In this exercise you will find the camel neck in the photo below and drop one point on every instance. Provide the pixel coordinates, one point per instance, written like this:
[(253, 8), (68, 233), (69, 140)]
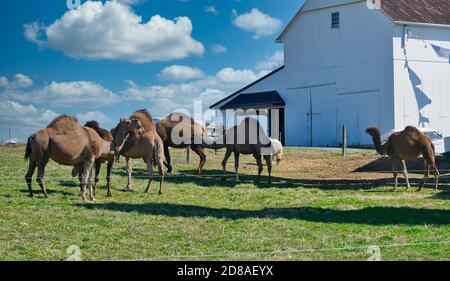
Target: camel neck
[(380, 148)]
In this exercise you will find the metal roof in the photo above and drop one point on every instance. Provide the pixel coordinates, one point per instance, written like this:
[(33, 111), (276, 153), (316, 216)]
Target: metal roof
[(269, 99), (418, 11)]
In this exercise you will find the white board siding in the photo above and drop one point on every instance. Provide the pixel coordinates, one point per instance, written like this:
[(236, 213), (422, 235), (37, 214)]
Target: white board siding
[(422, 79), (349, 71)]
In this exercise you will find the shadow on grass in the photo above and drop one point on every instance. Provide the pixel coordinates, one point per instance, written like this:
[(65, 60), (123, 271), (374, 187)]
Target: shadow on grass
[(212, 178), (369, 216), (37, 191), (414, 166)]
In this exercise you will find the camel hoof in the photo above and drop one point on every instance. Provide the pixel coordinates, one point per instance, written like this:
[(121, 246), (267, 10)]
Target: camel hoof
[(160, 193)]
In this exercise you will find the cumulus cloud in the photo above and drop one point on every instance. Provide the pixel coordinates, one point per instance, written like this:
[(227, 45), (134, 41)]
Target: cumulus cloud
[(256, 22), (68, 94), (20, 81), (164, 99), (13, 114), (94, 115), (219, 49), (271, 62), (180, 72), (112, 31)]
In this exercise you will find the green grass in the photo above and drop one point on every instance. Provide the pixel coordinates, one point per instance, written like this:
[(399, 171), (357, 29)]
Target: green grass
[(203, 218)]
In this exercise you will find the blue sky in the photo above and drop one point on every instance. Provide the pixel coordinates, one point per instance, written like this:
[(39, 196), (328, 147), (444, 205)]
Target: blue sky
[(104, 59)]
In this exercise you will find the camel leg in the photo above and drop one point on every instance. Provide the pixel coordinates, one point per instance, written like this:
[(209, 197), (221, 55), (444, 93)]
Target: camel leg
[(87, 177), (168, 160), (201, 153), (29, 176), (395, 171), (268, 159), (80, 179), (108, 178), (149, 162), (161, 174), (98, 165), (129, 172), (436, 176), (405, 173), (260, 165), (426, 176), (41, 171), (236, 165), (224, 163)]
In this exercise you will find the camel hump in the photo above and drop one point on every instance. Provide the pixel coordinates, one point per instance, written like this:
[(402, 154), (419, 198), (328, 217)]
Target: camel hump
[(103, 133), (411, 129), (146, 119), (64, 124)]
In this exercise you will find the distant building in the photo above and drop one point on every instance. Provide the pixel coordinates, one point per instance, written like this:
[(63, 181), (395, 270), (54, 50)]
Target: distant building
[(346, 63)]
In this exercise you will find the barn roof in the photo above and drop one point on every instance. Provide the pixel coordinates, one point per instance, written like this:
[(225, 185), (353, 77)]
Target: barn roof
[(418, 11), (246, 87), (268, 99), (412, 11)]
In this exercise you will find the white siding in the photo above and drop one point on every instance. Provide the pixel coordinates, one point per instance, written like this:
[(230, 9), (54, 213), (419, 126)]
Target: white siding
[(422, 79), (348, 71)]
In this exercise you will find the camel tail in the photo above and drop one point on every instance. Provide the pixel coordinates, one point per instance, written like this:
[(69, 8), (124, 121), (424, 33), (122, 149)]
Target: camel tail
[(28, 148)]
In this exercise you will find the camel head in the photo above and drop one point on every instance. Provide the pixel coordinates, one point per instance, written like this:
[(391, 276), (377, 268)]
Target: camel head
[(373, 132), (122, 131)]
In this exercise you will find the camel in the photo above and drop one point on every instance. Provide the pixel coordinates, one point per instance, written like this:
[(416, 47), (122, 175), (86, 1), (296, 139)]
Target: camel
[(67, 143), (247, 138), (107, 136), (407, 145), (188, 133), (142, 143), (276, 150)]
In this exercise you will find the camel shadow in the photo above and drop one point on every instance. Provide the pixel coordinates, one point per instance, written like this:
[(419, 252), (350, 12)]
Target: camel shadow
[(212, 178), (369, 216), (49, 192)]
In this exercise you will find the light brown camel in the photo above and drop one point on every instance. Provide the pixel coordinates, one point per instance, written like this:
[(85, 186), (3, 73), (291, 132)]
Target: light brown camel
[(107, 136), (142, 143), (179, 130), (67, 143), (407, 145), (247, 138)]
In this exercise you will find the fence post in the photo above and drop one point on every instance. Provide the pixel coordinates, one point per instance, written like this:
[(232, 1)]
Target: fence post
[(344, 140), (188, 155)]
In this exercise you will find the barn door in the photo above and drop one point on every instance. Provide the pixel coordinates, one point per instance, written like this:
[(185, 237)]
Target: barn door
[(297, 117), (323, 114)]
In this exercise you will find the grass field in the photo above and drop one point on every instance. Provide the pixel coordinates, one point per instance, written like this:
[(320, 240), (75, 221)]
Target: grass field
[(320, 207)]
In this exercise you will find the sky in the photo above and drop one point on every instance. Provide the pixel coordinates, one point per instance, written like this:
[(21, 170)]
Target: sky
[(103, 60)]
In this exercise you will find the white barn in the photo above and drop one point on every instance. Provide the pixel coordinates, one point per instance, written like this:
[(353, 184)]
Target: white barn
[(347, 62)]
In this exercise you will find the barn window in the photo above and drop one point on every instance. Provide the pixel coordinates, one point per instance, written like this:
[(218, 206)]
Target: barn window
[(335, 20)]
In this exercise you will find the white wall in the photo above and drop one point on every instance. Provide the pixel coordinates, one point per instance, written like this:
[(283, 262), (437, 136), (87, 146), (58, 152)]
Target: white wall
[(422, 79), (346, 74)]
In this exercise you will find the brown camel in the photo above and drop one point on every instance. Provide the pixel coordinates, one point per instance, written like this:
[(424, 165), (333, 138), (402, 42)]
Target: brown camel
[(142, 143), (179, 130), (67, 143), (247, 138), (407, 145), (107, 136)]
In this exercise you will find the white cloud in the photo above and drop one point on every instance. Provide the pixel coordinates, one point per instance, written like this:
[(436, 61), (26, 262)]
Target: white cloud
[(94, 115), (20, 81), (258, 23), (83, 94), (271, 62), (219, 49), (180, 73), (211, 10), (112, 31), (13, 114), (175, 96)]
